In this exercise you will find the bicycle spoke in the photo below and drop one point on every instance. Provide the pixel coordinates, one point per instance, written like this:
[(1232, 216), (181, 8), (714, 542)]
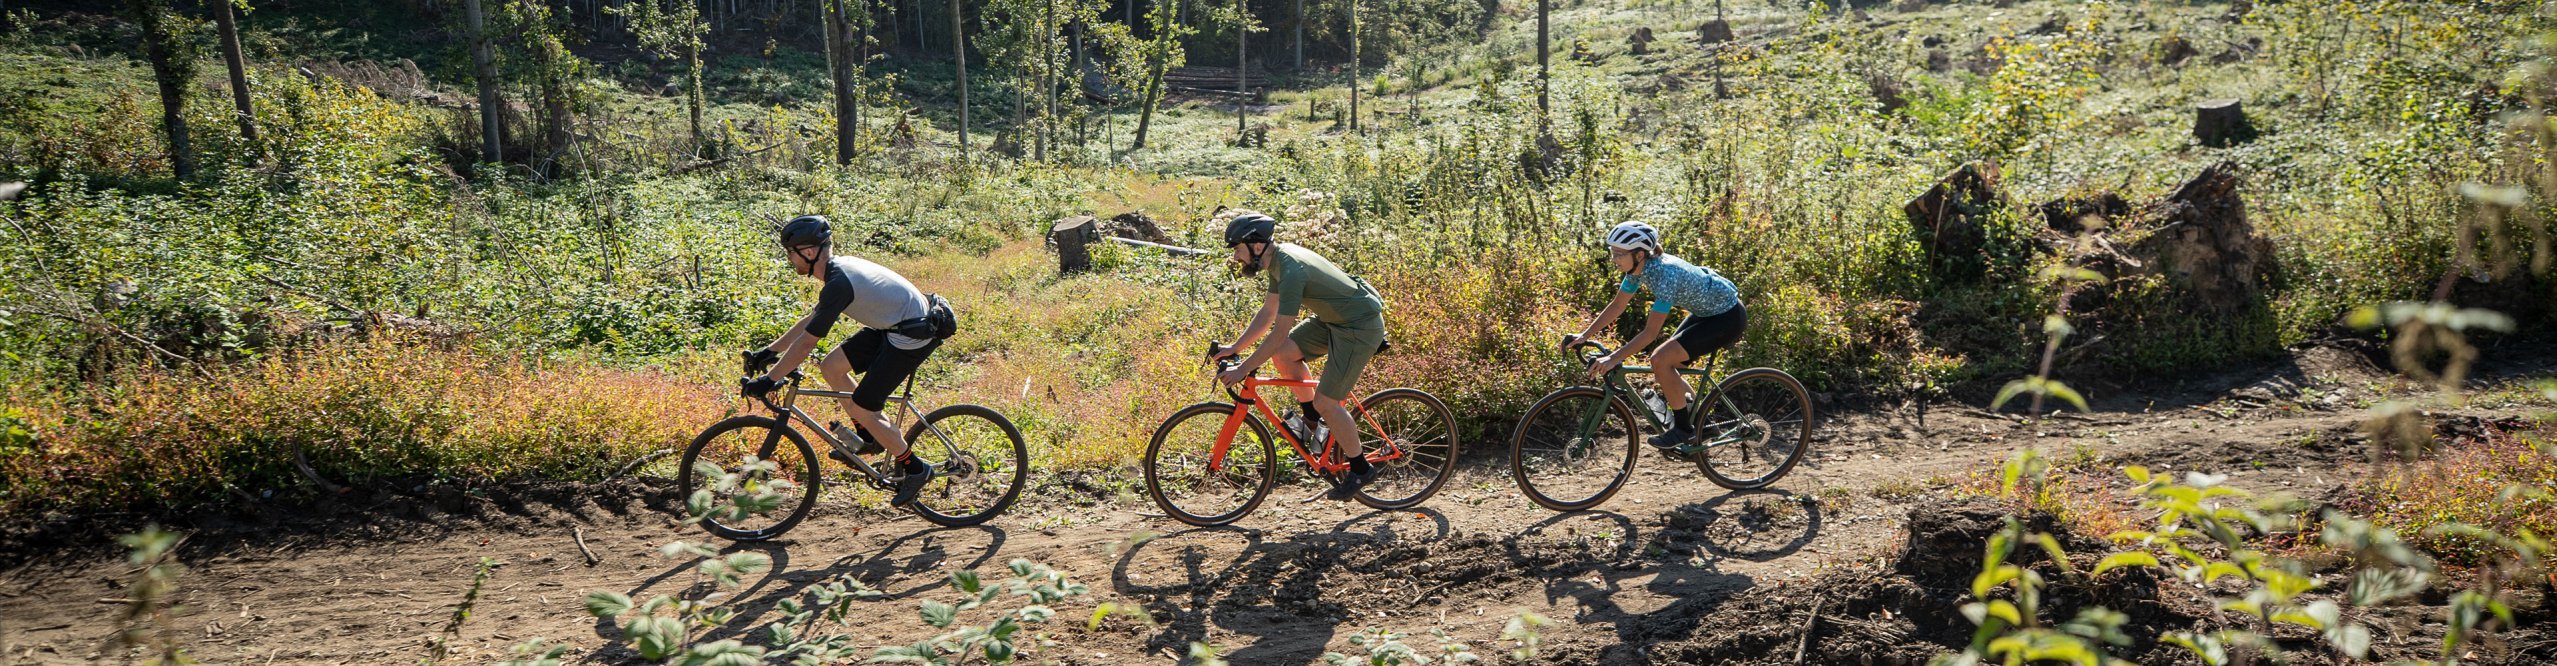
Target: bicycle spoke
[(1192, 482), (1573, 450), (977, 461), (753, 481), (1758, 428), (1425, 436)]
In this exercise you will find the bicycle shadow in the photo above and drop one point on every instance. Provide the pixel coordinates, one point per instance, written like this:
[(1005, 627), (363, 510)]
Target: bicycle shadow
[(1752, 525), (925, 551), (1593, 566), (1235, 581)]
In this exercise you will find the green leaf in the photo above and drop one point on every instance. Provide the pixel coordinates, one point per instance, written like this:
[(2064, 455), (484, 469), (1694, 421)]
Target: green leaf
[(607, 604), (2352, 639), (2010, 391), (2005, 610), (939, 614), (998, 651), (2125, 559), (2063, 392), (966, 581), (655, 637)]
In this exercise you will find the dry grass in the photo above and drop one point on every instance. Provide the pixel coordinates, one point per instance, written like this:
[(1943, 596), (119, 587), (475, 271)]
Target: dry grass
[(378, 409)]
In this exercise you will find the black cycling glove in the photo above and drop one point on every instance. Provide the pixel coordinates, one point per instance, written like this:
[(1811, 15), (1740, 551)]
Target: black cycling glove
[(760, 360)]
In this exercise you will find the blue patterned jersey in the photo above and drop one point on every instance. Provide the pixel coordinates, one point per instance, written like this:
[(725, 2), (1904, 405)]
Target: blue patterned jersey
[(1674, 282)]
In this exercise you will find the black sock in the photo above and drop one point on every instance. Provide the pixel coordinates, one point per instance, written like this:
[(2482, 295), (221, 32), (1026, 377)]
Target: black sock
[(1683, 419), (906, 461), (1306, 409), (1359, 463)]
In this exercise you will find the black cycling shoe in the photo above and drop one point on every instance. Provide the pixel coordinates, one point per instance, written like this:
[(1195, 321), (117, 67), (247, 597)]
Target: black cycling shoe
[(1677, 436), (911, 485), (1351, 481)]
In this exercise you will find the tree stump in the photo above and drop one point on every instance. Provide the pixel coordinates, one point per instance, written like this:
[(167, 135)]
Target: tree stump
[(1073, 237), (2221, 123), (9, 191), (1714, 32), (1950, 221), (1641, 41)]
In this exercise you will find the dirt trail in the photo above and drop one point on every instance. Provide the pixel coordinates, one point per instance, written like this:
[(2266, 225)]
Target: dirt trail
[(371, 581)]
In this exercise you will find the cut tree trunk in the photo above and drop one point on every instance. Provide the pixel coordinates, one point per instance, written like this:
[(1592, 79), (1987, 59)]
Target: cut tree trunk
[(2221, 123)]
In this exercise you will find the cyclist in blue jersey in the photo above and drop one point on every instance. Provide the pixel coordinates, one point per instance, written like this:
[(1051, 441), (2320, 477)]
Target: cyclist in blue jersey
[(1715, 320)]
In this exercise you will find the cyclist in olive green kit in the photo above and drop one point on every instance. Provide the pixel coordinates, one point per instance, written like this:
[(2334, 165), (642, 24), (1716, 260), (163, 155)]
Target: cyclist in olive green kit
[(1348, 325)]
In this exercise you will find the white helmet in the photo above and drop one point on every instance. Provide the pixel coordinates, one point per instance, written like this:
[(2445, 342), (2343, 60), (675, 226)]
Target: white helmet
[(1634, 236)]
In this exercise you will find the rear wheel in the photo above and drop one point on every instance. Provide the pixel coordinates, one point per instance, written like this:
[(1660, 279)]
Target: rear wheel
[(1194, 487), (750, 477), (1575, 449), (979, 463), (1421, 432), (1754, 428)]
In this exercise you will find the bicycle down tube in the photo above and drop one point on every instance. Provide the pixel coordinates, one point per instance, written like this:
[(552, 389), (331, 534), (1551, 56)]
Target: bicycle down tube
[(1248, 401)]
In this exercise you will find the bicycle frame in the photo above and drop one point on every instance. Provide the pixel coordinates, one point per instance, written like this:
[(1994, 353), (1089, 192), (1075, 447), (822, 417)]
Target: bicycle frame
[(1248, 400), (1616, 386), (788, 408)]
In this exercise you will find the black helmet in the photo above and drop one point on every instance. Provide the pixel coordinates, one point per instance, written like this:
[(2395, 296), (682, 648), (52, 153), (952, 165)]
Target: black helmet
[(1249, 227), (807, 231)]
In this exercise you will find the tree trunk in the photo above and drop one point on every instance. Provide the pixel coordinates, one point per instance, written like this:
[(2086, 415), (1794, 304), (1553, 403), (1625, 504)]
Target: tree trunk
[(959, 50), (847, 108), (1544, 59), (1047, 76), (1300, 34), (692, 94), (231, 55), (172, 69), (484, 64), (1242, 69), (1354, 64), (1153, 96)]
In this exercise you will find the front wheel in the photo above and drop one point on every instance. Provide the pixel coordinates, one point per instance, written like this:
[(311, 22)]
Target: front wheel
[(979, 463), (749, 478), (1197, 484), (1414, 449), (1755, 427), (1575, 449)]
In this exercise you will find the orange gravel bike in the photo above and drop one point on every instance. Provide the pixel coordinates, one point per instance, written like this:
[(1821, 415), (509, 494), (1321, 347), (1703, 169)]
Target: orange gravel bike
[(1201, 475)]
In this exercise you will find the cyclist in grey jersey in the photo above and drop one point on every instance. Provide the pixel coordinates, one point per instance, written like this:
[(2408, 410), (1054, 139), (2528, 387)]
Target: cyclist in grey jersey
[(886, 351)]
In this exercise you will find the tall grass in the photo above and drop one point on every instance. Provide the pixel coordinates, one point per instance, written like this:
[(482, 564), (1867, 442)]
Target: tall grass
[(363, 411)]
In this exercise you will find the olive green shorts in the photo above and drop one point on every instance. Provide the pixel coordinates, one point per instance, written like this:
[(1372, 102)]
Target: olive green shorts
[(1349, 345)]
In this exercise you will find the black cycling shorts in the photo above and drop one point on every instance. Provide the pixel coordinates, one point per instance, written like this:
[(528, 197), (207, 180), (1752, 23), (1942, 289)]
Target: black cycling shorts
[(882, 366), (1702, 336)]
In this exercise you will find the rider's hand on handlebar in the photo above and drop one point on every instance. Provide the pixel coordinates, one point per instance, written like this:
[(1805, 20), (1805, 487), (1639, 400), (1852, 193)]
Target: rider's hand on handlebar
[(1215, 354), (758, 386), (1234, 375), (760, 360), (1601, 365), (1570, 341)]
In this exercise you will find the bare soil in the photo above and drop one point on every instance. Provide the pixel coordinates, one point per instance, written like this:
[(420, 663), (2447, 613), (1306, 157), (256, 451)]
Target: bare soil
[(1821, 569)]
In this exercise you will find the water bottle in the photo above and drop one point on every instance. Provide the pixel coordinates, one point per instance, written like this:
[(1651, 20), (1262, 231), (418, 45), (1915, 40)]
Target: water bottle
[(1658, 406)]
